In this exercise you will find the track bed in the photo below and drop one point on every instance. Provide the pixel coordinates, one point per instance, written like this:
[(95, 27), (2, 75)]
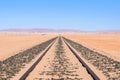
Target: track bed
[(59, 63)]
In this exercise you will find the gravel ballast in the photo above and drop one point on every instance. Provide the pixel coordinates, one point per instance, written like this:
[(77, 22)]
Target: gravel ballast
[(109, 67), (12, 65)]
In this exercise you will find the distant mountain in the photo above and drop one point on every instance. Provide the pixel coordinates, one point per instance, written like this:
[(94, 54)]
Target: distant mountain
[(26, 30), (41, 31), (108, 31), (35, 30)]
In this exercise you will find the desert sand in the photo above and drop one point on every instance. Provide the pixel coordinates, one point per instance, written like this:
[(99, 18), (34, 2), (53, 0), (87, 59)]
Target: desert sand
[(11, 44), (107, 44)]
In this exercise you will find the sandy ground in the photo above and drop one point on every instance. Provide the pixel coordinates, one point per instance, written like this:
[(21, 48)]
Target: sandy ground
[(107, 44), (50, 63), (11, 44)]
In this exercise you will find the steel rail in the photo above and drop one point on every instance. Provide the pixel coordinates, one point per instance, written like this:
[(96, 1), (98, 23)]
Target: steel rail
[(94, 76), (25, 75)]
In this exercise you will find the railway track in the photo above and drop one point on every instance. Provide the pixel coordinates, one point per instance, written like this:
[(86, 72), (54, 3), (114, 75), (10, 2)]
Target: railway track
[(95, 77), (14, 64), (24, 76), (59, 62), (109, 68)]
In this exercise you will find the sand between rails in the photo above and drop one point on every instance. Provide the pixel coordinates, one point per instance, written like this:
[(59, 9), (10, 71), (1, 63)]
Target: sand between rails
[(11, 44), (47, 66)]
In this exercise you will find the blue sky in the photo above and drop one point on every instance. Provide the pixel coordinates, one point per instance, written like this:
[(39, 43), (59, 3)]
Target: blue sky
[(86, 15)]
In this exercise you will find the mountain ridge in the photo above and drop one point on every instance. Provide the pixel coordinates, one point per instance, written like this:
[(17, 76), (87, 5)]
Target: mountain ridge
[(43, 30), (38, 30)]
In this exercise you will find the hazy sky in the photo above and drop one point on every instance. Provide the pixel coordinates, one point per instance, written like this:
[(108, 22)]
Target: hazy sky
[(87, 15)]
